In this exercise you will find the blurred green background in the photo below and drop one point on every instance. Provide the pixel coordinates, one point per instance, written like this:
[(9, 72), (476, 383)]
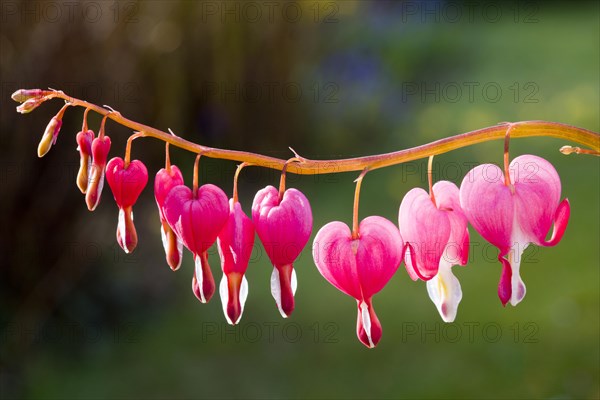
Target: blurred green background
[(331, 79)]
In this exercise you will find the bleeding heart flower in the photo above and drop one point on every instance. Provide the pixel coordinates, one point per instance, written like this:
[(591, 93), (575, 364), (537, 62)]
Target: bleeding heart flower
[(512, 216), (126, 183), (197, 218), (360, 267), (84, 146), (436, 237), (283, 226), (235, 244), (167, 179), (100, 149)]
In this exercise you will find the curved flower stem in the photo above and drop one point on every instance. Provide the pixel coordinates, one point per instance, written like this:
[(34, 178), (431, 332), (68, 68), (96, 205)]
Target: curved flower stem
[(430, 179), (128, 148), (506, 156), (195, 179), (235, 180), (314, 167), (355, 233), (282, 179)]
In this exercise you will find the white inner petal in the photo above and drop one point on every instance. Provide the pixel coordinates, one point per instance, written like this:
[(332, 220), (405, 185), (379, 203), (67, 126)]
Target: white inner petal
[(224, 293), (163, 237), (121, 228), (199, 277), (243, 296), (519, 244), (366, 321), (276, 290), (445, 291)]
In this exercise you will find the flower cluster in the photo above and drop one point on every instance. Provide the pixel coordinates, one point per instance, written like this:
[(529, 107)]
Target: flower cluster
[(510, 208)]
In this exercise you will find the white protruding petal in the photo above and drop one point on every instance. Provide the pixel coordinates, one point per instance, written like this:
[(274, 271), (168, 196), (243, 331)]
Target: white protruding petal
[(294, 282), (163, 237), (518, 286), (366, 322), (224, 293), (199, 277), (519, 244), (276, 290), (445, 291), (121, 228), (244, 288)]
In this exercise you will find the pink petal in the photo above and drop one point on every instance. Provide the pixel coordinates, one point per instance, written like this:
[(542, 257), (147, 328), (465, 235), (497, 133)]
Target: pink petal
[(447, 197), (426, 229), (488, 205), (236, 240), (379, 253), (283, 227), (197, 221), (334, 255)]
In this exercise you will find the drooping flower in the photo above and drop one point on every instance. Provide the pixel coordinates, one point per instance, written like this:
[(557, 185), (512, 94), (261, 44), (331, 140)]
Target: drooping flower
[(512, 214), (235, 242), (361, 266), (434, 229), (166, 179), (126, 184), (100, 149), (284, 225), (84, 146), (197, 217)]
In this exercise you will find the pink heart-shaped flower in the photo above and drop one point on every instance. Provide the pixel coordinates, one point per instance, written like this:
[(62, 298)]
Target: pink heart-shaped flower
[(197, 220), (235, 243), (126, 185), (512, 217), (360, 267), (284, 227), (436, 238)]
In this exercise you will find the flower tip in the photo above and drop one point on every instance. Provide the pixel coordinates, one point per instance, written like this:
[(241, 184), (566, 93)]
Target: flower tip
[(283, 287)]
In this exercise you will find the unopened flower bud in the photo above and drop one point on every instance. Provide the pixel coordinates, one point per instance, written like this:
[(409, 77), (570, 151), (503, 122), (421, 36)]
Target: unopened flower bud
[(100, 149), (29, 105), (22, 95), (84, 145), (49, 137)]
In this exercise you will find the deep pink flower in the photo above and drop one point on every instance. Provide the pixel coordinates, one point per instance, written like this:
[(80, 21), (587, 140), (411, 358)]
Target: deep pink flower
[(436, 238), (100, 149), (512, 216), (126, 184), (163, 183), (360, 267), (283, 226), (84, 146), (235, 242), (197, 219)]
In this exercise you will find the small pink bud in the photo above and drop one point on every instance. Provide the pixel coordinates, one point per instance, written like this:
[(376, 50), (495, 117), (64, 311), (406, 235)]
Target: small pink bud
[(29, 105), (84, 145), (100, 149), (22, 95), (283, 226), (126, 184), (49, 137)]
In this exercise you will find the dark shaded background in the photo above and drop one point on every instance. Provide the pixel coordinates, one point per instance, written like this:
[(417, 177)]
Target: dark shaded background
[(79, 319)]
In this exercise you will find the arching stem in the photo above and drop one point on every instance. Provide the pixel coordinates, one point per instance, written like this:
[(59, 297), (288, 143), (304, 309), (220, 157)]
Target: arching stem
[(195, 180), (355, 233), (507, 157), (430, 179), (282, 179), (128, 148), (235, 180)]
